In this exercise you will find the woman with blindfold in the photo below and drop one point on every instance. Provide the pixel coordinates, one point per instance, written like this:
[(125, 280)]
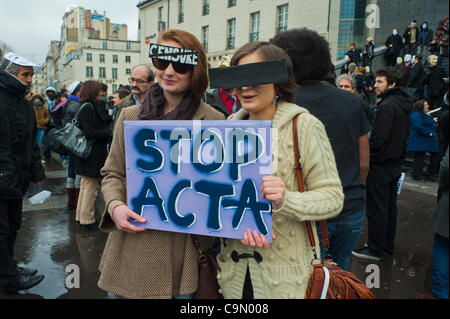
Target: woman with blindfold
[(138, 262), (253, 268)]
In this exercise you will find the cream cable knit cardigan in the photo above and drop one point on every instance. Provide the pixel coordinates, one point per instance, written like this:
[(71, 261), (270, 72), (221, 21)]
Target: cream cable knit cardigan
[(286, 266)]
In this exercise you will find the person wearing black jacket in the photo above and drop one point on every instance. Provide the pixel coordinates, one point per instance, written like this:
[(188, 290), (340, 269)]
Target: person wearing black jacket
[(20, 164), (415, 77), (412, 38), (426, 36), (95, 124), (387, 152), (347, 126), (434, 81), (394, 44)]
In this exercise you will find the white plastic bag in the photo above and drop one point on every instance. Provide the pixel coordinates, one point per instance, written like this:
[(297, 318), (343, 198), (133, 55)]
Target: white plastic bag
[(39, 198)]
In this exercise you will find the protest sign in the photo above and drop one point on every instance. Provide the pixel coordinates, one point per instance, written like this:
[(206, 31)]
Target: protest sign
[(199, 177)]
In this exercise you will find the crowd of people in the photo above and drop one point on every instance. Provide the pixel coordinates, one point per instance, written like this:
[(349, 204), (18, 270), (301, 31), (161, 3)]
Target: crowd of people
[(354, 140)]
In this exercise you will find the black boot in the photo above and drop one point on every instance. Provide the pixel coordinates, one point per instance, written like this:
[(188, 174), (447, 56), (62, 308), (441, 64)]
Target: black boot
[(23, 282)]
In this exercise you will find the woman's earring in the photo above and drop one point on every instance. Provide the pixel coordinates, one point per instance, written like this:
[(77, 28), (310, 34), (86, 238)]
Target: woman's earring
[(275, 99)]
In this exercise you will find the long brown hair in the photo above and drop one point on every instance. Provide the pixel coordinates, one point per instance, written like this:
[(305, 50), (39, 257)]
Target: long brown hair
[(286, 91), (89, 91), (199, 76)]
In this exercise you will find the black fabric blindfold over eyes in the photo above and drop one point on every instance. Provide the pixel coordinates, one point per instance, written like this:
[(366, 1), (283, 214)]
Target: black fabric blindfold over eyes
[(248, 74), (178, 67)]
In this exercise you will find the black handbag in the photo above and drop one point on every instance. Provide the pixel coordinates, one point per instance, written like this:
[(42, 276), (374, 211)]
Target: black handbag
[(71, 138)]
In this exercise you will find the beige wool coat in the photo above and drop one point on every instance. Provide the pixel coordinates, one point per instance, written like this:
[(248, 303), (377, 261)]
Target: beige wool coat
[(286, 265), (150, 264)]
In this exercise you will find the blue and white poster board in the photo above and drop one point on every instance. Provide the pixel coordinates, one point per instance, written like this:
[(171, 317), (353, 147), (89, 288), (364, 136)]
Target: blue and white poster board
[(199, 177)]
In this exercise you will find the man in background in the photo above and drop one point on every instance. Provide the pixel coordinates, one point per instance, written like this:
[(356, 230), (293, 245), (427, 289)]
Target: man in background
[(20, 164)]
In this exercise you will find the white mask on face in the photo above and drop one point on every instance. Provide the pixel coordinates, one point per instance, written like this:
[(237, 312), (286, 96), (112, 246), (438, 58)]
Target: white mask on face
[(394, 32), (424, 26)]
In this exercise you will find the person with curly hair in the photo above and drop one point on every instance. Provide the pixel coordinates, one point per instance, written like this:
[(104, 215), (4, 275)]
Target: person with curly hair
[(281, 269), (347, 125)]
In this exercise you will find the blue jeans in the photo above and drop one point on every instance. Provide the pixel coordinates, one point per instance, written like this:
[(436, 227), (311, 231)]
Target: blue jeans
[(343, 235), (440, 267), (39, 136)]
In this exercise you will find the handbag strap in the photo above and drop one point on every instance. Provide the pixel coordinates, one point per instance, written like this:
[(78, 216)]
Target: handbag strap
[(301, 188), (75, 118)]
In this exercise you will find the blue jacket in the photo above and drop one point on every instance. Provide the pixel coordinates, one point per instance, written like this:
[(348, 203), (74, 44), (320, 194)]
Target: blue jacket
[(422, 126)]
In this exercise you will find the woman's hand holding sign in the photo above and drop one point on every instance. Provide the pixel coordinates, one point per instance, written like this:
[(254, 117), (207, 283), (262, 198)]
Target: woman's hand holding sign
[(273, 189), (121, 214)]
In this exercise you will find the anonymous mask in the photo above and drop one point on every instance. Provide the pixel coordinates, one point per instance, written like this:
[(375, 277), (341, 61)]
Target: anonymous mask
[(399, 60), (433, 60), (367, 69), (394, 32)]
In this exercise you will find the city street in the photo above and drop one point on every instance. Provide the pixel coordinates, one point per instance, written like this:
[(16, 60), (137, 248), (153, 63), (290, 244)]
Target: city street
[(51, 241)]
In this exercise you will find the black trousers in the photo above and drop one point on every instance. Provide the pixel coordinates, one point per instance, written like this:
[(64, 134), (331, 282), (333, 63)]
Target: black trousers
[(10, 221), (419, 159), (381, 206)]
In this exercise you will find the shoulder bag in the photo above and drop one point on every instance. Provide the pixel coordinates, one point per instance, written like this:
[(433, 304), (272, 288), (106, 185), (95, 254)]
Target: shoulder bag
[(327, 281), (72, 138), (208, 286)]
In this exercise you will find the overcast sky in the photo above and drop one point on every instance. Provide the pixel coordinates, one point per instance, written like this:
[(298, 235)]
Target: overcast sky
[(28, 26)]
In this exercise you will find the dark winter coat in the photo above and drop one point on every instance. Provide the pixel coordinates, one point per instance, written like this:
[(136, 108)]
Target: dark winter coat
[(434, 79), (391, 128), (427, 36), (407, 35), (20, 160), (422, 136), (72, 108), (416, 74), (439, 220), (94, 122), (368, 54), (397, 42)]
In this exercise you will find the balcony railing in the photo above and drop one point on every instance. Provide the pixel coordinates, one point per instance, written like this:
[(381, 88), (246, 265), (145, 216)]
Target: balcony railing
[(254, 36), (281, 28), (230, 42)]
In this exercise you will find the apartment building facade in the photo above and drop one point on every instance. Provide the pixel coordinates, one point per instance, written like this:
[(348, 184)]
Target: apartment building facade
[(93, 48), (225, 25)]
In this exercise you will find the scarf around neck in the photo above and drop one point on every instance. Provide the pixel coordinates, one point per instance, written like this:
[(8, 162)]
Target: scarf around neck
[(153, 106)]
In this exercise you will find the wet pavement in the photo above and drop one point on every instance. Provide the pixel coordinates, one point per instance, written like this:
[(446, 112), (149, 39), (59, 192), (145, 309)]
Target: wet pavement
[(50, 240)]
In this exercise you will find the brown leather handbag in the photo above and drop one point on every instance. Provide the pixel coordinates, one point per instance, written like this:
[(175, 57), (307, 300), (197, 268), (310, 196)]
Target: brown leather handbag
[(208, 287), (327, 281)]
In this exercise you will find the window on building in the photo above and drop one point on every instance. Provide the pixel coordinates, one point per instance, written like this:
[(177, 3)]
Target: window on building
[(127, 58), (282, 18), (128, 71), (102, 72), (114, 88), (89, 72), (102, 57), (115, 58), (160, 13), (114, 73), (128, 45), (89, 57), (351, 25), (205, 37), (205, 7), (180, 11), (231, 33), (105, 45), (254, 26), (231, 3)]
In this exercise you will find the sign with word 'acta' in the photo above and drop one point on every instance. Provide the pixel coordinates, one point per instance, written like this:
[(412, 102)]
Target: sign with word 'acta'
[(199, 177)]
